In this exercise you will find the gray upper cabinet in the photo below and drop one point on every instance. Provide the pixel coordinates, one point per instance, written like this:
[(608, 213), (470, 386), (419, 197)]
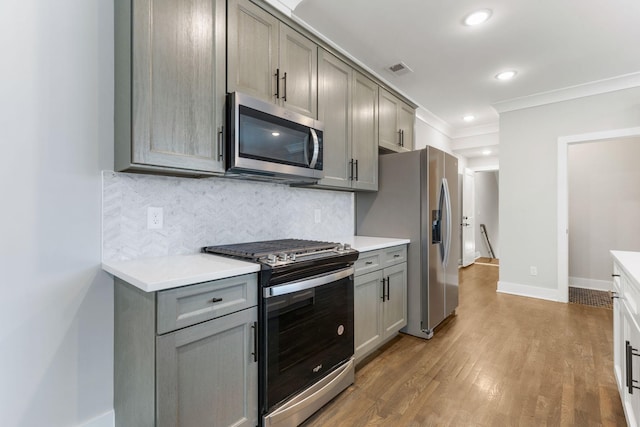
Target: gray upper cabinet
[(335, 82), (347, 105), (365, 133), (269, 60), (170, 86), (397, 120)]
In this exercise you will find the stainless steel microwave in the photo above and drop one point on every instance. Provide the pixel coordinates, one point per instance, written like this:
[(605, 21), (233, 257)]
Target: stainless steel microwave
[(269, 142)]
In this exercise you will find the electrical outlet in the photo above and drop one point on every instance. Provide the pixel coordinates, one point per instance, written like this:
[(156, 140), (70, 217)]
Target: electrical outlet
[(533, 270), (154, 218), (317, 216)]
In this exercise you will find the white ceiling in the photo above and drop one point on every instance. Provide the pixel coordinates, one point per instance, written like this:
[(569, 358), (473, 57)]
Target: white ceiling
[(553, 44)]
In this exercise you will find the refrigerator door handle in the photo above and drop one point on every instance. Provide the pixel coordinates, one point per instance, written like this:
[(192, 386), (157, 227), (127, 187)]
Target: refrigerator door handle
[(447, 237)]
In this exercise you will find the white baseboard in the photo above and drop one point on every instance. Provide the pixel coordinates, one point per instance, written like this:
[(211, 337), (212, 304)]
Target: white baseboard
[(528, 291), (595, 284), (108, 419)]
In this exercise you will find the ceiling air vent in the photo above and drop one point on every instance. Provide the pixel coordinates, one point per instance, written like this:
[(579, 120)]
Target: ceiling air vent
[(400, 69)]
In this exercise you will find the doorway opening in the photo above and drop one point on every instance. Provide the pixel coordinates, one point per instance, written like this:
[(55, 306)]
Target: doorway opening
[(563, 196)]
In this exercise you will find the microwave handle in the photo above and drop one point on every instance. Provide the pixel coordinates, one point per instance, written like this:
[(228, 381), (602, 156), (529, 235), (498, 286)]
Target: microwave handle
[(316, 148)]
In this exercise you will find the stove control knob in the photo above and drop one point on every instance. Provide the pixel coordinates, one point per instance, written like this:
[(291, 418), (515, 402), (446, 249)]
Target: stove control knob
[(292, 257), (347, 247), (282, 256), (340, 247), (271, 259)]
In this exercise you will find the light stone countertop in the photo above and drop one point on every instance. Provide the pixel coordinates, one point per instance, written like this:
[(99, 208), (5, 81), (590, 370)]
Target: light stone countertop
[(630, 263), (156, 274), (367, 243)]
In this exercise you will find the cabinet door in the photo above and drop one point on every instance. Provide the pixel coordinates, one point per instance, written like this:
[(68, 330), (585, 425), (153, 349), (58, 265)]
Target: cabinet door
[(389, 126), (298, 72), (334, 110), (365, 133), (206, 374), (394, 316), (253, 50), (178, 83), (367, 299), (406, 122), (618, 345)]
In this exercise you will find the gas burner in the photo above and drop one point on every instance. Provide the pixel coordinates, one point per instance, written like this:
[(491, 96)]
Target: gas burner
[(276, 253)]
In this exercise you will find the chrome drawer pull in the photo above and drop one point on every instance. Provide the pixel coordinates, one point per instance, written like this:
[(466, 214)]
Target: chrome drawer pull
[(396, 256), (214, 300), (368, 262)]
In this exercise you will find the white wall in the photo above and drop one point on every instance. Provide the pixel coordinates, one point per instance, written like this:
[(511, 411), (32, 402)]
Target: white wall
[(604, 206), (528, 180), (426, 134), (56, 121), (486, 212)]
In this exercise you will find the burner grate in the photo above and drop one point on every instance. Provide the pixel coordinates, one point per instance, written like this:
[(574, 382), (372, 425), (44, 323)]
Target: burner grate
[(258, 250)]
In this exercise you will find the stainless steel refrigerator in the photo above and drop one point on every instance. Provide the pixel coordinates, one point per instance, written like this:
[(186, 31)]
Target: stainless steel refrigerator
[(417, 199)]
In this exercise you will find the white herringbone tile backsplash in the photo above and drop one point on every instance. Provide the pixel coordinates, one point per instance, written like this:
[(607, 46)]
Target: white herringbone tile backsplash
[(211, 211)]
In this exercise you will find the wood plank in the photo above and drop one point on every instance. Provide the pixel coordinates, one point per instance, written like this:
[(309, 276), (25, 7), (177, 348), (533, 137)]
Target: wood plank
[(503, 360)]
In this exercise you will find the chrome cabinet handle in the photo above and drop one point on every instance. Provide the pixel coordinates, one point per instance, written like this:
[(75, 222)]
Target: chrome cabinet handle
[(356, 170), (384, 282), (351, 170), (388, 288), (277, 94)]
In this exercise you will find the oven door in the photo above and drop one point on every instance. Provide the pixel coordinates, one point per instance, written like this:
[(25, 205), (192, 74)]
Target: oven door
[(308, 327)]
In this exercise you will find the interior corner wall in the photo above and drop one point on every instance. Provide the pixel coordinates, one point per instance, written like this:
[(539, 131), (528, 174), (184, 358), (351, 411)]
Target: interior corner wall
[(528, 178), (56, 109), (604, 200), (486, 212)]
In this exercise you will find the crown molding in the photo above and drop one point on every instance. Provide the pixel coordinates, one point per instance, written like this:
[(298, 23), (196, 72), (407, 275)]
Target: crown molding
[(434, 121), (285, 6), (626, 81), (488, 128)]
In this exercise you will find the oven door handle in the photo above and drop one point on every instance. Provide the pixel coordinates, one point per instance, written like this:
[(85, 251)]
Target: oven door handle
[(314, 282)]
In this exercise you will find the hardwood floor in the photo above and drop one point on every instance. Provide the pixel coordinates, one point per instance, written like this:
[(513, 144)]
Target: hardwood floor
[(502, 360)]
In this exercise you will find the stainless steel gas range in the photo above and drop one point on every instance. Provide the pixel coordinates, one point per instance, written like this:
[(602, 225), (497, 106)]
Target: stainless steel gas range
[(305, 338)]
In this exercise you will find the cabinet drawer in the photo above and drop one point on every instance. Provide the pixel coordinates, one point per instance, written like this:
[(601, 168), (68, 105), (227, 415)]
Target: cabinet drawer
[(368, 261), (395, 255), (188, 305), (631, 294)]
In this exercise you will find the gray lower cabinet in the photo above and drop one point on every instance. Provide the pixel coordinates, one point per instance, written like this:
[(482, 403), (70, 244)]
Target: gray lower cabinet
[(380, 298), (397, 120), (269, 60), (170, 86), (201, 372)]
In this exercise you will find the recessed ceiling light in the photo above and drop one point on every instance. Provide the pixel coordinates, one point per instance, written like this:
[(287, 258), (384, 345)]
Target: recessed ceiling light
[(506, 75), (275, 133), (477, 18), (469, 118), (486, 152)]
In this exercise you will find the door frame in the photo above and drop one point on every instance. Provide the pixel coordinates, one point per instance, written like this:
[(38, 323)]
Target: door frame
[(563, 196)]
